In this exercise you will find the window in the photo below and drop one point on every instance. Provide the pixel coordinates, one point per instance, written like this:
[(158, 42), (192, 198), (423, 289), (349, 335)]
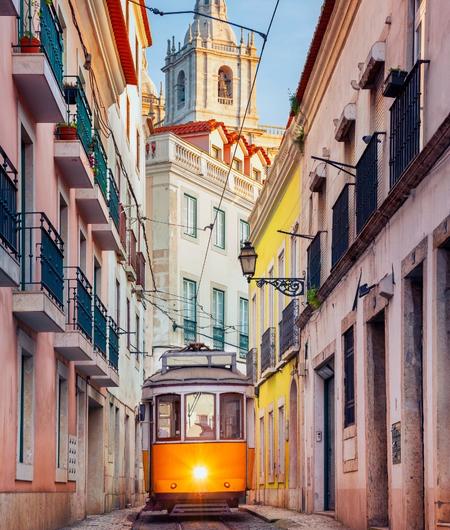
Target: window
[(219, 228), (225, 85), (244, 232), (237, 164), (62, 410), (138, 151), (200, 416), (180, 89), (189, 310), (243, 327), (231, 417), (168, 418), (254, 342), (216, 152), (418, 7), (82, 251), (25, 410), (218, 312), (281, 444), (261, 450), (111, 432), (341, 227), (271, 447), (270, 300), (293, 257), (349, 378), (118, 303), (190, 215), (138, 336), (128, 324), (281, 274), (262, 301), (256, 174)]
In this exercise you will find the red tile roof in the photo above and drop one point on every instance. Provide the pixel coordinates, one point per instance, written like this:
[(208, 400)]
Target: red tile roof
[(122, 41)]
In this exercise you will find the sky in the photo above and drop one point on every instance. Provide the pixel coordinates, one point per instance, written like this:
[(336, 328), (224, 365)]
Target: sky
[(284, 55)]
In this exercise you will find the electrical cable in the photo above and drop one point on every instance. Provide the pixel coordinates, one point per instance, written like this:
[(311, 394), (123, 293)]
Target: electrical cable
[(237, 143)]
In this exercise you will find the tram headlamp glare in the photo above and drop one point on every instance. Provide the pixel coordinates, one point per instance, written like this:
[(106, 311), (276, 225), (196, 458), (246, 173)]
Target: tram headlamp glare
[(200, 472)]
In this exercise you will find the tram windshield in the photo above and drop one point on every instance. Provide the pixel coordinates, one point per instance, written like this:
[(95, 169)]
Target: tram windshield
[(168, 417), (200, 416)]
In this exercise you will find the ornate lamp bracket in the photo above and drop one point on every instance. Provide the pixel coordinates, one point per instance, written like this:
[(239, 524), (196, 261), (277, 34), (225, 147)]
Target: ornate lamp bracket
[(288, 286)]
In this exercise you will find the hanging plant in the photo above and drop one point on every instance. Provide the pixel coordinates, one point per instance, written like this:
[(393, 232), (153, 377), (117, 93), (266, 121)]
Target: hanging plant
[(299, 138), (295, 107), (311, 298)]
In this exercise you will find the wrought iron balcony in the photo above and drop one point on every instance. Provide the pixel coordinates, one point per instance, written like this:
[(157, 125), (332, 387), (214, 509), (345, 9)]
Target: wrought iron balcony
[(289, 333), (314, 254), (341, 227), (268, 349), (113, 202), (39, 26), (218, 337), (8, 205), (78, 110), (367, 182), (190, 330), (40, 243), (100, 326), (79, 302), (113, 344), (243, 345), (99, 163), (405, 120)]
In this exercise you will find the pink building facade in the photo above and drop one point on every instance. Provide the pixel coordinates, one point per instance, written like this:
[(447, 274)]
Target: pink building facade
[(375, 124), (72, 259)]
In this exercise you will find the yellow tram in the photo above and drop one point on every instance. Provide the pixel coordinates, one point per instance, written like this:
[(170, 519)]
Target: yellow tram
[(198, 439)]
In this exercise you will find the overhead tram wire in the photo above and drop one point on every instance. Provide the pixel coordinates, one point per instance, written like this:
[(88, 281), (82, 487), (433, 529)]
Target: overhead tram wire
[(236, 145)]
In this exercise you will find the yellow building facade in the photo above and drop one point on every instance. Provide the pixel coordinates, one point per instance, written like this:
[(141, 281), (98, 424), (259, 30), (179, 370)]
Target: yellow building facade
[(273, 333)]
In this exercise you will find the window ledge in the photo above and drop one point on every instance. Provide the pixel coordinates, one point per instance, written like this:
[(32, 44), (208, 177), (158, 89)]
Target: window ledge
[(61, 475), (24, 472)]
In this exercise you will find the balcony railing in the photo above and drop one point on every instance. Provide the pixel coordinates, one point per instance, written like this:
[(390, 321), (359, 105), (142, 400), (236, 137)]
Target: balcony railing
[(78, 110), (268, 349), (140, 273), (99, 163), (8, 205), (113, 344), (314, 254), (113, 202), (100, 326), (289, 335), (367, 182), (190, 330), (243, 345), (405, 123), (341, 227), (218, 337), (40, 243), (40, 20), (79, 301)]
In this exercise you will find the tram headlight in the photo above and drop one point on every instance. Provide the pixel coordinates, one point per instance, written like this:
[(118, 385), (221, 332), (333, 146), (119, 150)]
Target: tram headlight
[(200, 472)]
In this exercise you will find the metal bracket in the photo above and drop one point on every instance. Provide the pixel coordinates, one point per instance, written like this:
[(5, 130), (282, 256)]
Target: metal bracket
[(288, 286), (338, 165)]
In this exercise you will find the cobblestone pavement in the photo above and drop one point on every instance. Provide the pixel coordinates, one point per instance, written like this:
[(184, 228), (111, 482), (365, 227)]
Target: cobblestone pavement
[(116, 520)]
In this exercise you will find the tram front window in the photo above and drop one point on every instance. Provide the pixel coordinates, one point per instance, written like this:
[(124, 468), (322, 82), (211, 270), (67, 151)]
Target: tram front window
[(231, 424), (200, 416), (168, 417)]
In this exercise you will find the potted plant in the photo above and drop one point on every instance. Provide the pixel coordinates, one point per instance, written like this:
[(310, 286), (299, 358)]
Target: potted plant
[(311, 298), (394, 82), (66, 131), (29, 43)]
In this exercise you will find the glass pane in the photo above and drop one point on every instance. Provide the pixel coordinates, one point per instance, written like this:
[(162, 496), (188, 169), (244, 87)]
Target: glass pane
[(168, 418), (200, 416), (231, 424)]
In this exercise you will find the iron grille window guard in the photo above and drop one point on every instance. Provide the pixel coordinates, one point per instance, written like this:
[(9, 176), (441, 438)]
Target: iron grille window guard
[(99, 163), (79, 301), (100, 326), (78, 110), (268, 349), (8, 205), (40, 242), (406, 123), (113, 345), (190, 330), (289, 336), (40, 20), (367, 182), (113, 202), (243, 345), (314, 256), (341, 227), (218, 338)]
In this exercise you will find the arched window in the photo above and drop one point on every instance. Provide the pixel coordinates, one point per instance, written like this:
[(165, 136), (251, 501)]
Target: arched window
[(225, 85), (181, 90)]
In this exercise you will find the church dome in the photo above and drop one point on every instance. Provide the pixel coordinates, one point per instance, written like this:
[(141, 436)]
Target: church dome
[(148, 86), (214, 29)]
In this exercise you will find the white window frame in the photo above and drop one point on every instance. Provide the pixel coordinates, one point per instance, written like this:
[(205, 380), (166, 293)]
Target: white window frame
[(281, 449), (219, 228), (281, 274), (25, 344), (261, 448), (242, 239), (271, 444), (190, 215), (271, 293)]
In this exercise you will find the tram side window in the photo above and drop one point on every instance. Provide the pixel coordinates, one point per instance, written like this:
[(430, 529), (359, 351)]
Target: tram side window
[(231, 418), (168, 419), (200, 416)]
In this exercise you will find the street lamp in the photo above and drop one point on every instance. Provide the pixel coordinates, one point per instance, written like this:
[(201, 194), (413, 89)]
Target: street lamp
[(288, 286)]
